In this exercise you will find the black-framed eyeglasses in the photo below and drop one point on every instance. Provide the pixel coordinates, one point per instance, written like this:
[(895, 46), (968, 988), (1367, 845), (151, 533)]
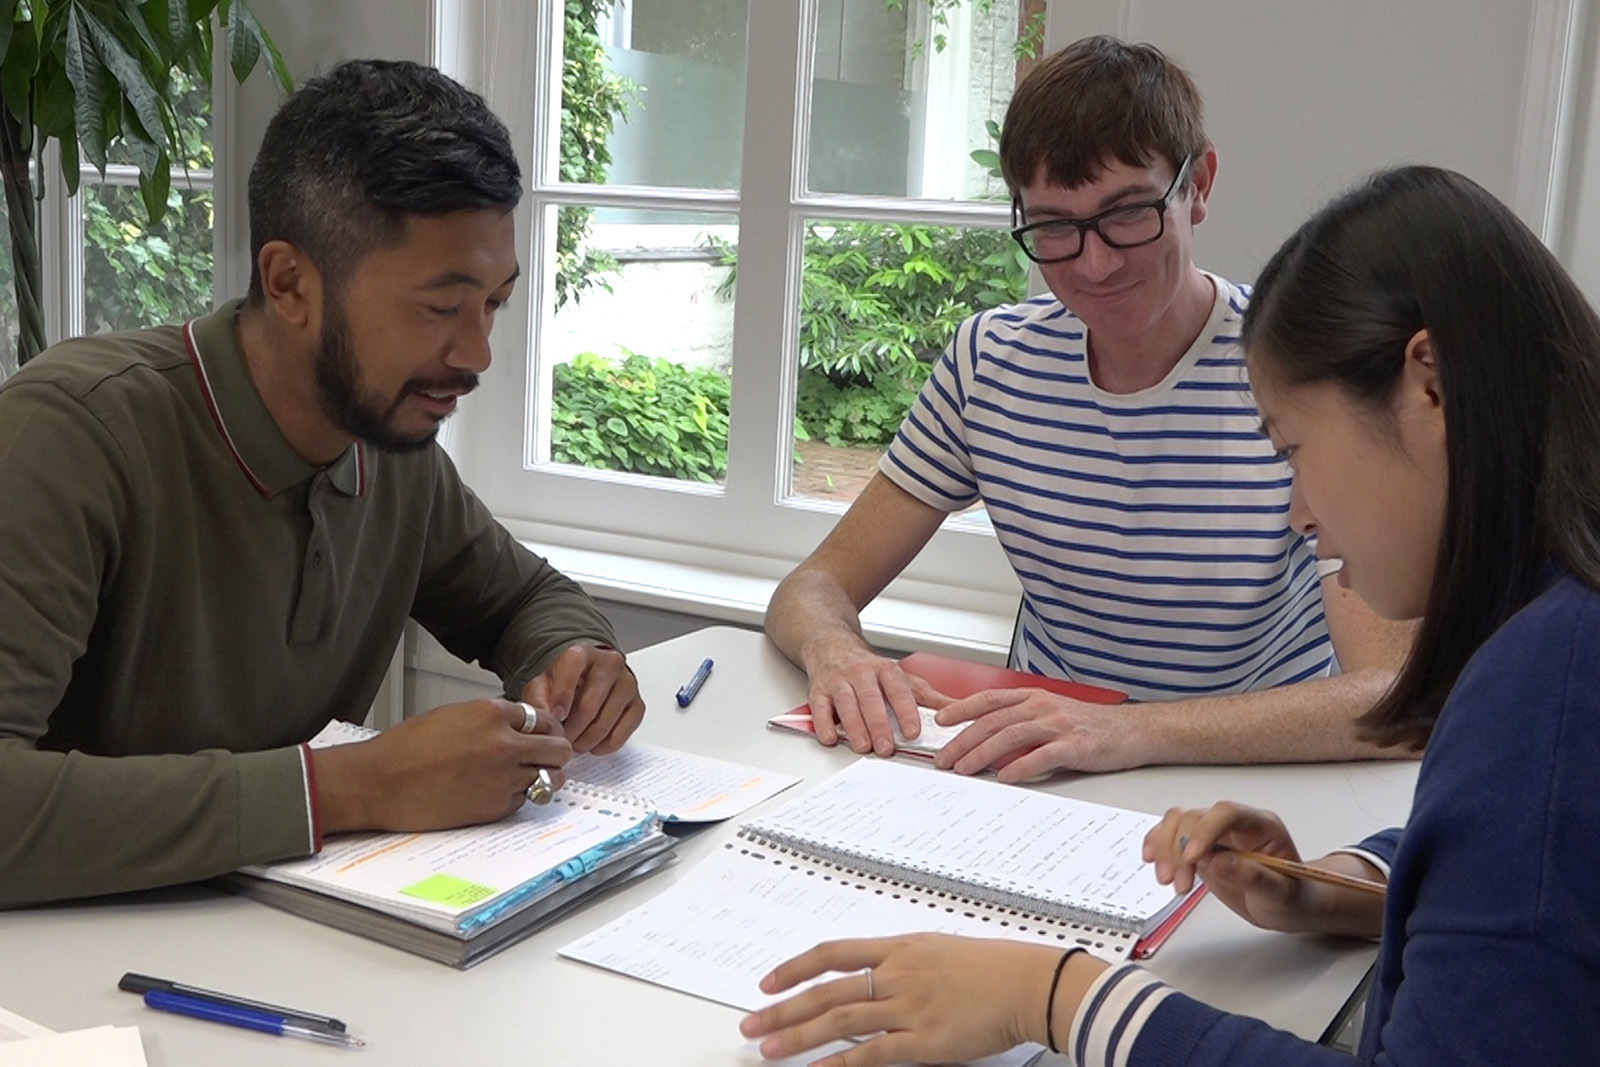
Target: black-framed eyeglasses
[(1124, 226)]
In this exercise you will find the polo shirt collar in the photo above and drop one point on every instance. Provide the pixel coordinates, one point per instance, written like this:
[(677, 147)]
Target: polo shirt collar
[(242, 417)]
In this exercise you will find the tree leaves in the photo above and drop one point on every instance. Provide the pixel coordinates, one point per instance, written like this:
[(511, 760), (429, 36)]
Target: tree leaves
[(83, 68), (98, 73), (108, 65), (642, 415)]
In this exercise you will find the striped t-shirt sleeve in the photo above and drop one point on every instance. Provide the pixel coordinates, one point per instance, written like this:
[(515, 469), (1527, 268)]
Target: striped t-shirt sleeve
[(1112, 1013), (928, 457)]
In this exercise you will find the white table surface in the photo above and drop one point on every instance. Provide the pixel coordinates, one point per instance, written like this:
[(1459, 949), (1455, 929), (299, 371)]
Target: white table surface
[(59, 965)]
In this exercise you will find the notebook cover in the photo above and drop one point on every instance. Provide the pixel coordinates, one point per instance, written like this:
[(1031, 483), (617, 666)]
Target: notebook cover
[(1146, 946), (961, 678)]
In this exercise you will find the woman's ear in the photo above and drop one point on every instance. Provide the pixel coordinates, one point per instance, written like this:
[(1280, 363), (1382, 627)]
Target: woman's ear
[(1419, 400), (1422, 367)]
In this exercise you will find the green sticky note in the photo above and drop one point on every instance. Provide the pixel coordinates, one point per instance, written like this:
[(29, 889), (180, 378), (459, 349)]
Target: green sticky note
[(450, 891)]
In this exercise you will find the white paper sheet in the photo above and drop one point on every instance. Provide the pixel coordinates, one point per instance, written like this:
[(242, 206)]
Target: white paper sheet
[(102, 1046), (719, 930), (15, 1027), (684, 787)]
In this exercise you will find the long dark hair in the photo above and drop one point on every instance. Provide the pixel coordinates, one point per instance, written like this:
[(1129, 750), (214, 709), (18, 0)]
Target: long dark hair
[(1518, 351)]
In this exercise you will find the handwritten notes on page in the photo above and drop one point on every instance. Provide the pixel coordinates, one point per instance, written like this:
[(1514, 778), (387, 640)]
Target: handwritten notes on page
[(683, 787), (742, 911)]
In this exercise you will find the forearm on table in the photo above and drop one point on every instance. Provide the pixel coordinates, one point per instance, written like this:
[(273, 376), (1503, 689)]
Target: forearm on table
[(74, 825), (811, 617), (1306, 722)]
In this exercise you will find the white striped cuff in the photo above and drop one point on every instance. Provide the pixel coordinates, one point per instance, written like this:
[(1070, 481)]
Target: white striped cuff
[(1113, 1012), (1363, 854)]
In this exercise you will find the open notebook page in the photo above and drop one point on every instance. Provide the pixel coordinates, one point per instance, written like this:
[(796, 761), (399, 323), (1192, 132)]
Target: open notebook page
[(740, 912), (1011, 842)]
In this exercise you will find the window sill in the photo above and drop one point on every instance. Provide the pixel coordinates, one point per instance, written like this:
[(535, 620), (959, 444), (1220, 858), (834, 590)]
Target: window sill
[(916, 618), (890, 622)]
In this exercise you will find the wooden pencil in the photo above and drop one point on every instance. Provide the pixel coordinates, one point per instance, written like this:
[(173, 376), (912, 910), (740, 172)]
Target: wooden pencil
[(1310, 874)]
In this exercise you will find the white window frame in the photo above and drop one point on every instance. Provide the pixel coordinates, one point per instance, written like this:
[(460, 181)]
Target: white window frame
[(62, 236), (684, 546)]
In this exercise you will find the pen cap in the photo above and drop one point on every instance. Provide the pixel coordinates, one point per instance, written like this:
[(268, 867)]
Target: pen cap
[(141, 983)]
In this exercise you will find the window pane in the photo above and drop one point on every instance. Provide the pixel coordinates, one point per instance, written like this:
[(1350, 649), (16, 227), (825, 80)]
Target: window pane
[(653, 93), (136, 274), (878, 305), (904, 93), (638, 349)]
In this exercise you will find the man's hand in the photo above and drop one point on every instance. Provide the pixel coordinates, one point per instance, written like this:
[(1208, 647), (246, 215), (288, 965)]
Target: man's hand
[(593, 694), (853, 691), (1026, 733), (455, 765)]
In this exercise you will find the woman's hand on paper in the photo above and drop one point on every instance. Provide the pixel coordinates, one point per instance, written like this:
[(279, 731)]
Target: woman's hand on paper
[(591, 691), (455, 765), (853, 692), (1025, 733), (935, 999), (1183, 846)]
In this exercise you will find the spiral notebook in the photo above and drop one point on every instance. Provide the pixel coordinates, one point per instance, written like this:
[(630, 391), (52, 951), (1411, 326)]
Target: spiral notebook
[(881, 849)]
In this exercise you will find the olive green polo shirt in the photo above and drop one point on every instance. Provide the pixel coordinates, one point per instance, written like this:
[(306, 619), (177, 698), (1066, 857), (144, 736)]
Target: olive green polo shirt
[(184, 601)]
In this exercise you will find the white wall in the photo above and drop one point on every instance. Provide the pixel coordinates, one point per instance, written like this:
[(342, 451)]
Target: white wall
[(1304, 97)]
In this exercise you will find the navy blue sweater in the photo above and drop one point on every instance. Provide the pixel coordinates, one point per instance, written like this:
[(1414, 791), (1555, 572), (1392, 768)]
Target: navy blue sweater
[(1491, 930)]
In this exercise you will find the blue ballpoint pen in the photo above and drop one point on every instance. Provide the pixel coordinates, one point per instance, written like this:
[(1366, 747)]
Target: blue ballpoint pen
[(249, 1019), (692, 686)]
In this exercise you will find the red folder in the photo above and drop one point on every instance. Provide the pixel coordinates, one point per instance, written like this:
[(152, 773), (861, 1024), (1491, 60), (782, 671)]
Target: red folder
[(960, 678)]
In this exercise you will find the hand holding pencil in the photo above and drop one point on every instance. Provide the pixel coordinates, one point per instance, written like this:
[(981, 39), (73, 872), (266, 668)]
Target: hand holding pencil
[(1250, 862)]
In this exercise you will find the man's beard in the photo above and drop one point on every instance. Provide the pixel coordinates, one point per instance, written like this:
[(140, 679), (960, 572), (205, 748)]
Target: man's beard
[(355, 410)]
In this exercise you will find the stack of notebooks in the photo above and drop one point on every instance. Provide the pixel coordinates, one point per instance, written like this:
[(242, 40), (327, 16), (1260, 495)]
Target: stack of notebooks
[(885, 848), (459, 896)]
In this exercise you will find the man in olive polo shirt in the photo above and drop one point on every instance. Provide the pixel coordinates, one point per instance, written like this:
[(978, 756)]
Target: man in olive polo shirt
[(213, 534)]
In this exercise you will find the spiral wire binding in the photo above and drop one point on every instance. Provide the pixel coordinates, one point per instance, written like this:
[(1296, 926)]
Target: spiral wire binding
[(1080, 925)]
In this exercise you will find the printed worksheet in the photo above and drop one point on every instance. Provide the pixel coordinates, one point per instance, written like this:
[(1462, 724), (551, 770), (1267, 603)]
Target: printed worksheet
[(682, 786)]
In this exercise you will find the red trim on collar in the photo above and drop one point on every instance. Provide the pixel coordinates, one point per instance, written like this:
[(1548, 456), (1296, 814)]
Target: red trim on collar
[(211, 406)]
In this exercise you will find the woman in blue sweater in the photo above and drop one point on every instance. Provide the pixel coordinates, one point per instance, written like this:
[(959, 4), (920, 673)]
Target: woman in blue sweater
[(1433, 376)]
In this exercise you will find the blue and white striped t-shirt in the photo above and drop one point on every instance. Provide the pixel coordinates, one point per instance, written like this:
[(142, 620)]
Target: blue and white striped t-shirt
[(1150, 530)]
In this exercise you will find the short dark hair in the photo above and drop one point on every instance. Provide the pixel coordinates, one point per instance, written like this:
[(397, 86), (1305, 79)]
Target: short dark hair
[(1096, 100), (355, 150), (1518, 352)]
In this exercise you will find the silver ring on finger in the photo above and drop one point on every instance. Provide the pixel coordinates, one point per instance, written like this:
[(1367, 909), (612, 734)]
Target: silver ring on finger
[(542, 789), (530, 720), (870, 995)]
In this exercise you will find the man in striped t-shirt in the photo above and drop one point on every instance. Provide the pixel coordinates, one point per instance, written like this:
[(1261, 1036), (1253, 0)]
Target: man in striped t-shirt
[(1110, 433)]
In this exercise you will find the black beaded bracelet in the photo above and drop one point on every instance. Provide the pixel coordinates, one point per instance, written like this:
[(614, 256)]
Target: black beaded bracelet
[(1050, 1003)]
